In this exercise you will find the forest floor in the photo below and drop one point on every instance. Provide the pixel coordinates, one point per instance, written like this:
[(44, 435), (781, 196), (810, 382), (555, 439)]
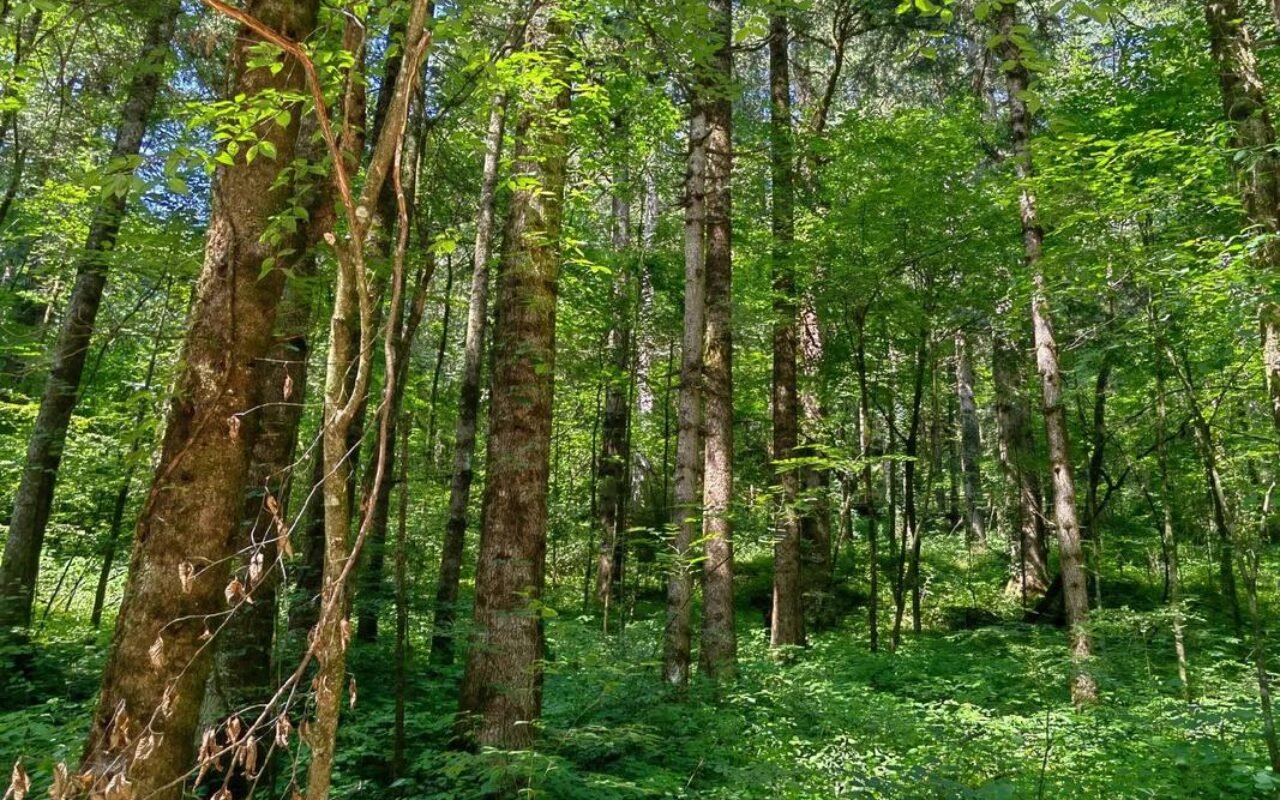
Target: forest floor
[(969, 713)]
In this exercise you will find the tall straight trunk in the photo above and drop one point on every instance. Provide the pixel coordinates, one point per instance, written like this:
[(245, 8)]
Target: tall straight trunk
[(970, 442), (33, 500), (787, 626), (1097, 463), (1023, 508), (686, 517), (719, 651), (612, 463), (469, 394), (400, 678), (501, 694), (1168, 532), (155, 675), (1244, 104), (909, 564), (1269, 319), (868, 484), (1084, 690)]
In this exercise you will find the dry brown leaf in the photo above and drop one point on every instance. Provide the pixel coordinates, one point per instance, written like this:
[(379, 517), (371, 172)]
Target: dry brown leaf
[(156, 652), (283, 729), (19, 782), (187, 575)]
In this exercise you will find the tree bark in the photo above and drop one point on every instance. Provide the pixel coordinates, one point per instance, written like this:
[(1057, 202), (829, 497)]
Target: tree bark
[(678, 634), (612, 462), (469, 395), (1084, 690), (787, 626), (868, 483), (155, 674), (33, 500), (501, 694), (718, 654), (970, 443)]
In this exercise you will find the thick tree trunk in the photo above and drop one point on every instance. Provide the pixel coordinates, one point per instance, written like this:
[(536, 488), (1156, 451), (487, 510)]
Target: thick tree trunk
[(719, 651), (686, 516), (970, 443), (1084, 690), (469, 395), (144, 729), (501, 694), (33, 500), (787, 627)]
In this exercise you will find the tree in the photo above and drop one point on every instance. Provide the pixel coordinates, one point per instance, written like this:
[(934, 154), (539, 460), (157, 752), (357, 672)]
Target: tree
[(1015, 51), (144, 729), (501, 694), (34, 498)]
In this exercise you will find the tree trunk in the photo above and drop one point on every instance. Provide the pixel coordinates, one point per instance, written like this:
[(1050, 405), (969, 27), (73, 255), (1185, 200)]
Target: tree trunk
[(678, 635), (1097, 462), (868, 484), (1168, 533), (612, 463), (1023, 508), (970, 443), (501, 692), (155, 674), (909, 565), (1084, 690), (469, 395), (787, 627), (33, 500), (719, 651)]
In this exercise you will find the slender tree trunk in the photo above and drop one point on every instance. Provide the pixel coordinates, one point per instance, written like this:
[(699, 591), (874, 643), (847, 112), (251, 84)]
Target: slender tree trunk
[(401, 677), (501, 694), (1168, 533), (144, 728), (678, 634), (868, 484), (1270, 323), (469, 395), (970, 443), (1084, 690), (612, 463), (787, 627), (909, 565), (33, 500), (1097, 462), (719, 652)]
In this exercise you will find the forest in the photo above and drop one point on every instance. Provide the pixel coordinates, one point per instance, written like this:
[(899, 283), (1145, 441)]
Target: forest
[(753, 399)]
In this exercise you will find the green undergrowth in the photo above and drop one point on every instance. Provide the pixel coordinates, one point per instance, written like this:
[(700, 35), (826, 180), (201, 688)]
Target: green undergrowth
[(954, 713)]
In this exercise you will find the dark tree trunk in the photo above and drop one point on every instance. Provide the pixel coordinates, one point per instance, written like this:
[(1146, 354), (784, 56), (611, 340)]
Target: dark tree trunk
[(155, 674), (612, 463), (1084, 690), (970, 443), (718, 655), (868, 484), (909, 565), (33, 500), (469, 396), (501, 694), (787, 627)]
